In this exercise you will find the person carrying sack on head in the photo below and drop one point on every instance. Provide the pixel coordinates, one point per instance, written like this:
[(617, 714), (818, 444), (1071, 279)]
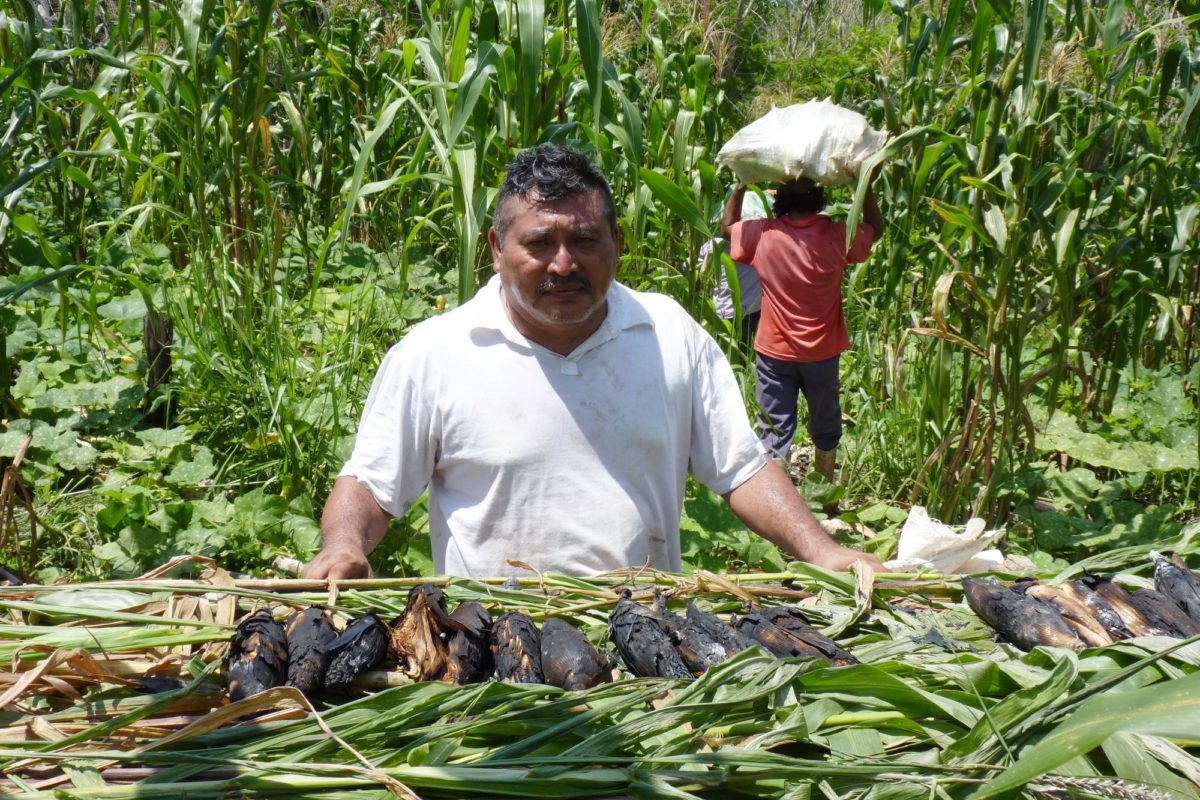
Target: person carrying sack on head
[(800, 257)]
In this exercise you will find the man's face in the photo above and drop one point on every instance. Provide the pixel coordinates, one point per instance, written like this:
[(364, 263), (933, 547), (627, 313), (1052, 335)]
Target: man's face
[(556, 264)]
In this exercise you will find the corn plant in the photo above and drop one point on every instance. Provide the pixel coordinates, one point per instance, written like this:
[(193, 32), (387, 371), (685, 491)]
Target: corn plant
[(1043, 230)]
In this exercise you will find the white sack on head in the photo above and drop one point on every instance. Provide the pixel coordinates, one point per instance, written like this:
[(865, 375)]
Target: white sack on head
[(817, 140)]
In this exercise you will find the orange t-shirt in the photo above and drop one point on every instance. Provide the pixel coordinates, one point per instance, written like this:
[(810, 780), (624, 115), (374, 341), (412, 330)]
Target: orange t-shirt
[(800, 262)]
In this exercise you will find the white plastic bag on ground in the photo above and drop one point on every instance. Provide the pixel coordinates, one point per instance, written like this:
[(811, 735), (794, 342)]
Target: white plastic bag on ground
[(817, 140), (927, 544)]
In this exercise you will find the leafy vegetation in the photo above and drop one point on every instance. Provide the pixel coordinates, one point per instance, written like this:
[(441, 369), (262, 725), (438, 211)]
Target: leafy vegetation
[(935, 709), (279, 191)]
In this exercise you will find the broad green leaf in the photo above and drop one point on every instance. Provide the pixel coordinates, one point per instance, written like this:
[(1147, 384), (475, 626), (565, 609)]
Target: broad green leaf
[(125, 308), (1168, 709), (1063, 434), (193, 472), (165, 439)]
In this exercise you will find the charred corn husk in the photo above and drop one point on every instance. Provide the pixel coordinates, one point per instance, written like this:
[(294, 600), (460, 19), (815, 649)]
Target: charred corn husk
[(1019, 619), (356, 649), (645, 647), (787, 633), (671, 623), (517, 649), (1100, 610), (706, 641), (468, 651), (258, 655), (1178, 583), (309, 634), (1085, 626), (732, 640), (1118, 599), (418, 635), (1163, 613), (569, 660)]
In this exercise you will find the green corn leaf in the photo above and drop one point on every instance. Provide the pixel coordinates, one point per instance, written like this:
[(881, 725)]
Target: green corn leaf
[(1168, 709), (1114, 20), (470, 90), (591, 51), (1133, 761), (1064, 235), (993, 221), (677, 201), (1035, 32), (531, 32)]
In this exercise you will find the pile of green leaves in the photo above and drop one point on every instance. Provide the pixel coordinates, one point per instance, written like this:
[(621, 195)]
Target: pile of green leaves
[(935, 709)]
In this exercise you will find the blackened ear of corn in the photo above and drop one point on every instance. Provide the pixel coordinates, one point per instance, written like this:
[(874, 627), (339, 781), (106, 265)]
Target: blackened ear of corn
[(733, 640), (705, 641), (645, 648), (309, 634), (1178, 583), (468, 651), (258, 655), (517, 649), (1022, 621), (699, 651), (1100, 610), (1118, 599), (418, 635), (356, 649), (1085, 626), (1163, 613), (787, 633), (671, 623), (569, 660)]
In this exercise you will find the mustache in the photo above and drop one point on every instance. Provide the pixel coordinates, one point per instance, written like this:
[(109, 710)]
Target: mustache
[(550, 284)]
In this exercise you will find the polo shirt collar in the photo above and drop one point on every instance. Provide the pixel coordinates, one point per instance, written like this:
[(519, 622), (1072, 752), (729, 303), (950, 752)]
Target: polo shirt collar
[(624, 312)]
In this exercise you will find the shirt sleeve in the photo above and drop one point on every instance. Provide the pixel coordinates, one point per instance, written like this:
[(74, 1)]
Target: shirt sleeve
[(396, 448), (724, 453), (743, 239)]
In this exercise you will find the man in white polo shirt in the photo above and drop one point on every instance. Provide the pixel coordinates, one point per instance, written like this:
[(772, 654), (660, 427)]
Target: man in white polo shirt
[(555, 416)]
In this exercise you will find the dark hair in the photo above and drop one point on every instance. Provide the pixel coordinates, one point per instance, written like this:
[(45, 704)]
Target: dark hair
[(548, 172), (801, 196)]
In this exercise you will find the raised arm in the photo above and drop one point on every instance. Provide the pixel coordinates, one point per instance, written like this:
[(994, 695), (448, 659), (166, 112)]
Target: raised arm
[(733, 210), (352, 525), (771, 507), (871, 213)]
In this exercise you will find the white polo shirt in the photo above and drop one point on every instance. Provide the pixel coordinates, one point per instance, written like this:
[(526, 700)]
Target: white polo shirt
[(574, 464)]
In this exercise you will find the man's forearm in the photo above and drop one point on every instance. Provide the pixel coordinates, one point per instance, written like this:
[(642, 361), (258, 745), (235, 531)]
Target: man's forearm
[(771, 507), (352, 519), (871, 213)]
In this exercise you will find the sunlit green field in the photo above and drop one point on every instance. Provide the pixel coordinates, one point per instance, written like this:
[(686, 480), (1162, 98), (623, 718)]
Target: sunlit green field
[(279, 191)]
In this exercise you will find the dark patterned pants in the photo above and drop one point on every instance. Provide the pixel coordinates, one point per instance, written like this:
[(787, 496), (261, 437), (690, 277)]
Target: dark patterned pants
[(778, 387)]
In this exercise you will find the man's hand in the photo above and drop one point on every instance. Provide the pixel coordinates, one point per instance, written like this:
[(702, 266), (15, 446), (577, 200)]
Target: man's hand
[(839, 559), (351, 527), (341, 563)]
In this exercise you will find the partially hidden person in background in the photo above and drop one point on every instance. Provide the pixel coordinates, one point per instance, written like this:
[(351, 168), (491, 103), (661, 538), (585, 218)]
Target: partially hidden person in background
[(555, 416), (800, 257), (749, 287)]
